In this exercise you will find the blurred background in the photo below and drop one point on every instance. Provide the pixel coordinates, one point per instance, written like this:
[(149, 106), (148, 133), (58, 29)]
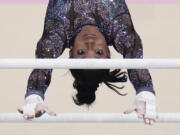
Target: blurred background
[(21, 26)]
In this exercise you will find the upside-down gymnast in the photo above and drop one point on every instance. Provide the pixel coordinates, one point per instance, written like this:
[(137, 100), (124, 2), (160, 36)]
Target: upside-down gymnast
[(88, 28)]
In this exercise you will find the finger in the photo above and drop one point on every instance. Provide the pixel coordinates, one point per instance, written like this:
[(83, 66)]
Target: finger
[(28, 116), (25, 117), (20, 110), (130, 110), (151, 119), (151, 122), (51, 113), (140, 113), (48, 111), (147, 121)]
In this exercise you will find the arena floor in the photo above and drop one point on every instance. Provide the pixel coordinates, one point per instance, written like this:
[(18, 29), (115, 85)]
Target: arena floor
[(21, 26)]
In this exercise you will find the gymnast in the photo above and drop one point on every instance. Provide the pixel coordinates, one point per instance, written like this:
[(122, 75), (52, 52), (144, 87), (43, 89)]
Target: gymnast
[(88, 28)]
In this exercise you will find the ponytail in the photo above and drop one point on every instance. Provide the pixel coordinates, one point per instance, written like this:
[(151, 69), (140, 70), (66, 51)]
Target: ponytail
[(87, 82)]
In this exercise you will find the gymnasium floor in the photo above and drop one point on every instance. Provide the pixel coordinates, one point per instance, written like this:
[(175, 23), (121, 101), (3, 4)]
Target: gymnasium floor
[(21, 26)]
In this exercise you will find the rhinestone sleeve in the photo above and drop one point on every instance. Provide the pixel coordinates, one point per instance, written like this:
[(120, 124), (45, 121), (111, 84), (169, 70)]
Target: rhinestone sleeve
[(51, 45), (128, 43)]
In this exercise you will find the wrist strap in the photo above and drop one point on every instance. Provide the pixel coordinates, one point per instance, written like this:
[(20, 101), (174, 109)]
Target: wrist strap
[(33, 99)]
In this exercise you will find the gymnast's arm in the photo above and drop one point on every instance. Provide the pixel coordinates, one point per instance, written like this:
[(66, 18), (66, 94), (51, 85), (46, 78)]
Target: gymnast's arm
[(51, 45), (128, 43)]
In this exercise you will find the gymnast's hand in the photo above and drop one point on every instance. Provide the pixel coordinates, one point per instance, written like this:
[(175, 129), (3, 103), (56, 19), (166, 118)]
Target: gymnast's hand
[(34, 107), (145, 107)]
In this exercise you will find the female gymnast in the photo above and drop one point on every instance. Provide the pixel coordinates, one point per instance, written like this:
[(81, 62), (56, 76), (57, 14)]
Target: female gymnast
[(88, 28)]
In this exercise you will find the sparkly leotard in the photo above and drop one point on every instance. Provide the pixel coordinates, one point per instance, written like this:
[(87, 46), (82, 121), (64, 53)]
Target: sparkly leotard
[(65, 19)]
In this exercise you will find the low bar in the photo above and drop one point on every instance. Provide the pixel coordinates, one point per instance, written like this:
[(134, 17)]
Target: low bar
[(87, 118)]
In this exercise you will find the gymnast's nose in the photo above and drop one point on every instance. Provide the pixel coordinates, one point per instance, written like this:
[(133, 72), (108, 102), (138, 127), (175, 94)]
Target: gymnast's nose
[(90, 54)]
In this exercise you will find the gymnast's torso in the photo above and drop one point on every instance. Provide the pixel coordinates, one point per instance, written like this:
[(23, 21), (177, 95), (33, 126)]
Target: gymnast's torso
[(72, 15)]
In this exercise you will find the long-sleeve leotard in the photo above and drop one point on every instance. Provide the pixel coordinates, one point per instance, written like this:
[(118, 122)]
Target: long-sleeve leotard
[(65, 18)]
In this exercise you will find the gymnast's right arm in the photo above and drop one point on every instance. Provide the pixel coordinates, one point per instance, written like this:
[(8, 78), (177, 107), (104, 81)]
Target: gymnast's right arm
[(51, 45)]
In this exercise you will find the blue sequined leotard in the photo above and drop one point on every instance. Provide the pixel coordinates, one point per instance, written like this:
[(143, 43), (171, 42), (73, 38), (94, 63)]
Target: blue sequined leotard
[(65, 18)]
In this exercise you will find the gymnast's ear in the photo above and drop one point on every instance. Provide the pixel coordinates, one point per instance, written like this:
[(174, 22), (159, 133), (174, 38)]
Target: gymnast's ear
[(71, 53), (108, 53)]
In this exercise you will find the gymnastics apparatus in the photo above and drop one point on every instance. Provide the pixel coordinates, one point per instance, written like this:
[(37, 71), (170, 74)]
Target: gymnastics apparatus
[(89, 64)]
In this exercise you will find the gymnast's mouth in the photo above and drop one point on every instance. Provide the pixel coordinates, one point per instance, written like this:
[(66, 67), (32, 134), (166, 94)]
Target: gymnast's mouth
[(87, 36)]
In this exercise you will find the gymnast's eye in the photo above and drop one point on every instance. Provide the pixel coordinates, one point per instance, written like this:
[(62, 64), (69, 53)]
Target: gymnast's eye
[(99, 51), (80, 52)]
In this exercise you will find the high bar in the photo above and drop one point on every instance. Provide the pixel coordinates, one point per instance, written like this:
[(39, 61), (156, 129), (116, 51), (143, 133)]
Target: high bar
[(63, 63), (88, 118)]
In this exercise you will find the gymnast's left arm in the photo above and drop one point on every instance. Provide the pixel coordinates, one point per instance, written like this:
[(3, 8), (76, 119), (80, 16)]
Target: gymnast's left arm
[(128, 43)]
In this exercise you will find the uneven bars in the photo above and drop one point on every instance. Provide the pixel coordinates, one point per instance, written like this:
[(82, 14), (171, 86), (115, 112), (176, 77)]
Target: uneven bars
[(89, 63), (88, 118)]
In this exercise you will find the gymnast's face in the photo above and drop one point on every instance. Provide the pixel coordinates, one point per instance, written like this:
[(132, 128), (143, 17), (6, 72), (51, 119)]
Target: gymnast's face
[(90, 43)]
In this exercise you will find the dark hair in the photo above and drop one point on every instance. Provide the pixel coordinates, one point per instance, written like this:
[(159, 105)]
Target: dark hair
[(87, 81)]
